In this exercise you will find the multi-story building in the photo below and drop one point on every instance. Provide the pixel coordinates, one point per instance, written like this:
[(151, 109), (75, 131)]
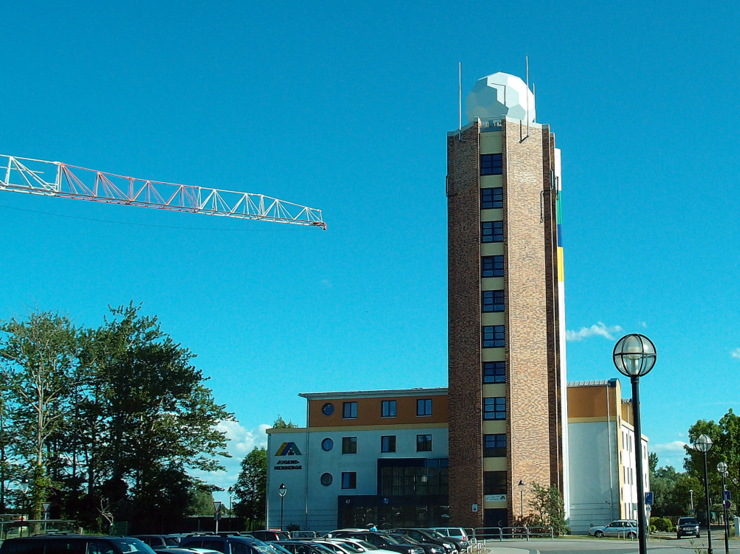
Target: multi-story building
[(506, 307), (603, 483)]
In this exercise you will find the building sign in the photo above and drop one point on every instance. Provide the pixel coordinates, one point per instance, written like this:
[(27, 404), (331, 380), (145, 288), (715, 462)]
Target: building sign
[(288, 449), (495, 498)]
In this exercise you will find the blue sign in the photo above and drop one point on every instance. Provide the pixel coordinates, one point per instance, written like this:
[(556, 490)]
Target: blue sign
[(649, 498), (726, 495)]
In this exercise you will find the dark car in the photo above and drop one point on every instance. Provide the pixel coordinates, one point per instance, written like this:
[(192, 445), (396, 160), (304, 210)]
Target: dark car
[(687, 527), (158, 541), (75, 544), (228, 544), (267, 535), (304, 547), (429, 536), (381, 540), (429, 548)]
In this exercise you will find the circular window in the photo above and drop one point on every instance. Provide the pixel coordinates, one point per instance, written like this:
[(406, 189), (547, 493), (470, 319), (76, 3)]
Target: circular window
[(326, 479), (328, 408), (327, 444)]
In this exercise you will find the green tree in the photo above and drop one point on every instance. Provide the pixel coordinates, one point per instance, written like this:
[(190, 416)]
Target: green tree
[(548, 508), (281, 424), (41, 358), (250, 488)]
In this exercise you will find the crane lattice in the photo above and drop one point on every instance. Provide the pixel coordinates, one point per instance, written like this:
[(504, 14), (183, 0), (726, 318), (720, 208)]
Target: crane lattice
[(69, 181)]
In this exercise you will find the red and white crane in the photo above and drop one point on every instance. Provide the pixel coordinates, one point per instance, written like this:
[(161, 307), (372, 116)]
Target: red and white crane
[(69, 181)]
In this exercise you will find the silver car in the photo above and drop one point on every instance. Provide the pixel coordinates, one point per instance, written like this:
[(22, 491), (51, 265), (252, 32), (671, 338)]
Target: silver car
[(624, 528)]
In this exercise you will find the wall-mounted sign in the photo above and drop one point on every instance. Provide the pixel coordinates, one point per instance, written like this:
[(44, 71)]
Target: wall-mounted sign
[(495, 498)]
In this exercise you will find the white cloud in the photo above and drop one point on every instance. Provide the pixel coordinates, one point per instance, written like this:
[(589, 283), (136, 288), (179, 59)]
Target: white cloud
[(670, 454), (599, 329), (735, 353)]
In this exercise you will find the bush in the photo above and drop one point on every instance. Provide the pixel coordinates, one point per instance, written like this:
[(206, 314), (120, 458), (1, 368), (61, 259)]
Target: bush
[(661, 524)]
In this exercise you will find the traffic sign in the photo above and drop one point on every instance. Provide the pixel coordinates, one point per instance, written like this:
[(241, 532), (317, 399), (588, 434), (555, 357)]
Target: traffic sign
[(727, 504), (649, 498), (726, 495)]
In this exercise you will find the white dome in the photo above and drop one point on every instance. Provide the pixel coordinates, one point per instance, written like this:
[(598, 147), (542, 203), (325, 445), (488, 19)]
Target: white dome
[(497, 96)]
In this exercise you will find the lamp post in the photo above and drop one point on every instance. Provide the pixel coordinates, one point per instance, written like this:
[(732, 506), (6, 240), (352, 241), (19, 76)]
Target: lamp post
[(722, 468), (231, 513), (282, 491), (703, 444), (522, 484), (216, 512), (691, 500), (634, 356), (24, 490)]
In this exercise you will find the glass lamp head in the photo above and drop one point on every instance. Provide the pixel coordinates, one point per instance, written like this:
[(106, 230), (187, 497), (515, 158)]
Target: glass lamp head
[(703, 443), (634, 355)]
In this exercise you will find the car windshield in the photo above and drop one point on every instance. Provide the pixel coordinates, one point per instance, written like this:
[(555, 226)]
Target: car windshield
[(436, 534), (685, 520), (390, 539), (133, 545)]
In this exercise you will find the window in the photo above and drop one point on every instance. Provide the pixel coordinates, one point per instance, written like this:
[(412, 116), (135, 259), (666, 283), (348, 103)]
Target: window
[(327, 444), (494, 372), (388, 443), (492, 266), (349, 445), (326, 479), (492, 300), (494, 482), (388, 408), (492, 231), (423, 443), (424, 407), (494, 408), (327, 409), (494, 336), (491, 164), (491, 198), (349, 480), (349, 410), (494, 446)]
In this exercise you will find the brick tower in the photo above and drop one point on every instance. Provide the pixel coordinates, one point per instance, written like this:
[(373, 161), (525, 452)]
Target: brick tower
[(507, 381)]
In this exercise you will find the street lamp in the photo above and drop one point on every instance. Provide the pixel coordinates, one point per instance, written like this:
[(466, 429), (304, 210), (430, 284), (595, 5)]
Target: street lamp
[(691, 500), (216, 512), (282, 491), (722, 468), (703, 444), (634, 356), (24, 490), (522, 484), (231, 513)]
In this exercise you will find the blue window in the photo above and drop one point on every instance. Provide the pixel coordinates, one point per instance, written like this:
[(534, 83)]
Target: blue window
[(388, 443), (491, 198), (423, 443), (494, 336), (491, 164), (494, 446), (349, 410), (494, 408), (492, 266), (492, 231), (424, 407), (349, 480), (492, 300), (388, 408), (349, 445), (494, 372)]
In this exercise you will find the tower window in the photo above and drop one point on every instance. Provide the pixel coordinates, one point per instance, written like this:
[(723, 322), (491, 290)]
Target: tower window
[(491, 164), (492, 266), (494, 336), (494, 408), (492, 300), (492, 231), (491, 198), (494, 372), (494, 446)]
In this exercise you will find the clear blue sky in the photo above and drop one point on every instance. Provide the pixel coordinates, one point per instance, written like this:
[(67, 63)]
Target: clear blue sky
[(345, 106)]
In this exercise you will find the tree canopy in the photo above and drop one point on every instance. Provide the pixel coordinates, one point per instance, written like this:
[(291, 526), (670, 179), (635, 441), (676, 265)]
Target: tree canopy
[(112, 418)]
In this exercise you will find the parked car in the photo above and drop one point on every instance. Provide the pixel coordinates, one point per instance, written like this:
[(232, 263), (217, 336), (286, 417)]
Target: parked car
[(456, 533), (429, 536), (381, 540), (625, 528), (40, 544), (686, 527), (228, 544), (270, 535), (304, 547), (429, 548), (158, 541)]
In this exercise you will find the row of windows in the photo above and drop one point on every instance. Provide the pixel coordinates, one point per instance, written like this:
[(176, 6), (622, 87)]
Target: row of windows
[(492, 300), (494, 408), (493, 336), (492, 231), (388, 408), (492, 266), (387, 444), (491, 164), (491, 198)]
